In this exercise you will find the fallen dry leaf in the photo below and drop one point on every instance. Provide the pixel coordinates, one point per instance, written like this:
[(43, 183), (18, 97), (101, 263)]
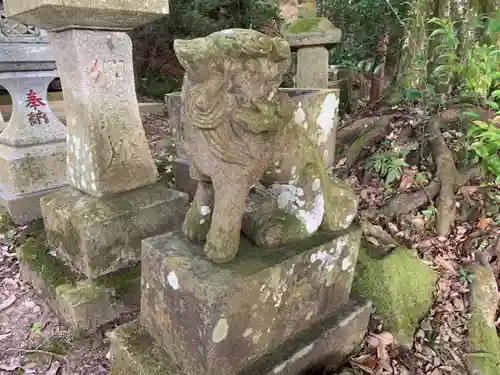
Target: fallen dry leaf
[(54, 367), (484, 223), (8, 302)]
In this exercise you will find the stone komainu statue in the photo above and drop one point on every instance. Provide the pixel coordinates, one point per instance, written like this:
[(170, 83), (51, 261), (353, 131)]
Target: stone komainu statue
[(239, 132)]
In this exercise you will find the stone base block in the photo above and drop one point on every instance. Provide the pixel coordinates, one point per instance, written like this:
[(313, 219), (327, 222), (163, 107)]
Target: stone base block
[(227, 316), (23, 208), (82, 304), (328, 343), (98, 236), (25, 170), (183, 180)]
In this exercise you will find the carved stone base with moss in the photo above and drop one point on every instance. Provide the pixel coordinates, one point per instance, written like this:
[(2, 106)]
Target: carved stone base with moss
[(83, 304), (96, 236)]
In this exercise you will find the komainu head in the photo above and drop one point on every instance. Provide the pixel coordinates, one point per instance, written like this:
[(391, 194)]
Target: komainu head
[(231, 82)]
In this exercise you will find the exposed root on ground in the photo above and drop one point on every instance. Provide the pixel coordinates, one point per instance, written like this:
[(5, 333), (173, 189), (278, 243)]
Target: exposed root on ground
[(403, 204), (447, 173), (377, 131)]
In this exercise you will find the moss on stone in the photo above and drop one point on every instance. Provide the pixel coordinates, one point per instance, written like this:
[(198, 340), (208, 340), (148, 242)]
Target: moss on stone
[(308, 25), (133, 352), (5, 221), (484, 356), (35, 253), (400, 286), (484, 345), (80, 292), (123, 281)]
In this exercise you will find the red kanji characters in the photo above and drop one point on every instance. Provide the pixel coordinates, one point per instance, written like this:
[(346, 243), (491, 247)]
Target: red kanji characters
[(34, 101), (35, 118)]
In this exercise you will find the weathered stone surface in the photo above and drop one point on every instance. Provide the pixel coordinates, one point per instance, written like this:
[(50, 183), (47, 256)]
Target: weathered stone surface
[(401, 287), (5, 220), (86, 14), (183, 180), (173, 102), (312, 67), (316, 31), (25, 170), (483, 356), (134, 352), (292, 10), (317, 111), (23, 208), (226, 316), (328, 343), (84, 305), (32, 122), (251, 136), (101, 235), (231, 114), (2, 122), (107, 147)]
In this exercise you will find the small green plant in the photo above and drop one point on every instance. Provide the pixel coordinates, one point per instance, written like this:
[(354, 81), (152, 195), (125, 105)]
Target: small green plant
[(36, 328), (429, 214), (465, 275), (388, 165), (485, 138)]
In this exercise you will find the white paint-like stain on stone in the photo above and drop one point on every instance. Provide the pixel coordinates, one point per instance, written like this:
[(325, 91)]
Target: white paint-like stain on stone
[(173, 281), (288, 198), (309, 315), (300, 115), (321, 255), (312, 219), (247, 332), (290, 271), (298, 355), (256, 337), (316, 184), (202, 221), (346, 263), (326, 118), (220, 331), (348, 221), (205, 210), (93, 186)]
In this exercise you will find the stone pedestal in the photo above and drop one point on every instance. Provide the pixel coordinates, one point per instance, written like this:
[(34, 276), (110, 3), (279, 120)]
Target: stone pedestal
[(268, 311), (312, 63), (311, 38), (32, 146), (97, 224)]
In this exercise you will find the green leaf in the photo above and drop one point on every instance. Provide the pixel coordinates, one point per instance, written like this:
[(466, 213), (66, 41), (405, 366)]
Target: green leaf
[(471, 114)]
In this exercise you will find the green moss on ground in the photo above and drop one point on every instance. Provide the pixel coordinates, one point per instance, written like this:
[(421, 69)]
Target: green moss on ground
[(401, 288), (123, 281)]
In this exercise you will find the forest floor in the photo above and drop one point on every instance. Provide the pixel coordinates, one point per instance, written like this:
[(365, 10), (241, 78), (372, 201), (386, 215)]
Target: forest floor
[(34, 341)]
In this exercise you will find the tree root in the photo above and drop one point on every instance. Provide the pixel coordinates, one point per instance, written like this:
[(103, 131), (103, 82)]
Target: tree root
[(448, 176), (351, 131), (484, 347), (379, 233), (378, 130), (403, 204)]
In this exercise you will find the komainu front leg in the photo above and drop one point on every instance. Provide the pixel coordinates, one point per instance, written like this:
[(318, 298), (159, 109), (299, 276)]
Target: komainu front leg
[(223, 239), (199, 217)]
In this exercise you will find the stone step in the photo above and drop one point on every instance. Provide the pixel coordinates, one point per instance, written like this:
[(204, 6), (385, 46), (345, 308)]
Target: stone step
[(83, 305), (326, 344)]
